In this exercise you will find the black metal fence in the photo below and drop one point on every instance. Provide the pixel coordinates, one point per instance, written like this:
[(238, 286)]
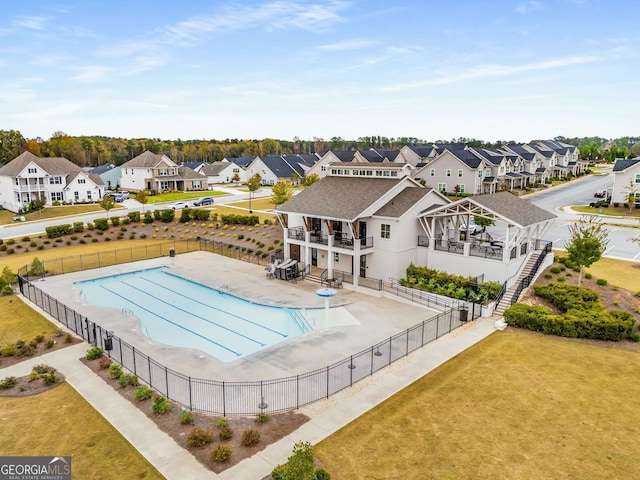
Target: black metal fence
[(249, 397)]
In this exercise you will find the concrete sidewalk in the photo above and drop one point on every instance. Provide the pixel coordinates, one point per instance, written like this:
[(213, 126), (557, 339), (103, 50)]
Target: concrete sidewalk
[(327, 417)]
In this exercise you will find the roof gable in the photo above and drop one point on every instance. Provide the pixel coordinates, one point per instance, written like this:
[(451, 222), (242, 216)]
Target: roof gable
[(623, 164), (149, 160)]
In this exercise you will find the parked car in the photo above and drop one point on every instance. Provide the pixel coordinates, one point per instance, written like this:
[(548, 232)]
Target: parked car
[(473, 228), (204, 201), (180, 205), (600, 194)]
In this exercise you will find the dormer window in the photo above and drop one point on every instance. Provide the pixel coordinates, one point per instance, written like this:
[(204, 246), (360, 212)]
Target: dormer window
[(32, 170)]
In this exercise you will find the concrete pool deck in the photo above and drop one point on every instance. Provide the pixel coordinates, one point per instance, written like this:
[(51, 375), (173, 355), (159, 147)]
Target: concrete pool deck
[(356, 321)]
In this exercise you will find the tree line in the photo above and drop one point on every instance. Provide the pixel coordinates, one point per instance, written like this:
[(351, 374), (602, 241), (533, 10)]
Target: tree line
[(98, 150)]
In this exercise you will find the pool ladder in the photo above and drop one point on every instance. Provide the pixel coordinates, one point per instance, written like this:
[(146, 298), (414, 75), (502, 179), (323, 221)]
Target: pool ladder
[(302, 322)]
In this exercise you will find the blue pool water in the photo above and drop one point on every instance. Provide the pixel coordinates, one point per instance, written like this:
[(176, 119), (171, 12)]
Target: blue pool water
[(176, 311)]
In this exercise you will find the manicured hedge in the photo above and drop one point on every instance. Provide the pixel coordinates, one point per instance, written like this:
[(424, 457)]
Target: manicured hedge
[(233, 219), (583, 317), (168, 215), (454, 286), (101, 224), (58, 230)]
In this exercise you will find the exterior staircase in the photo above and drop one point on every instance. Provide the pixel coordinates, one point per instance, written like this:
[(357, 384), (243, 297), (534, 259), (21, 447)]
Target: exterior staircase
[(526, 277)]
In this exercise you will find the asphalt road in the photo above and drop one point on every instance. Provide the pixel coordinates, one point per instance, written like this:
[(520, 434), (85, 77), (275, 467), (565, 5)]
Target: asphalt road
[(580, 192)]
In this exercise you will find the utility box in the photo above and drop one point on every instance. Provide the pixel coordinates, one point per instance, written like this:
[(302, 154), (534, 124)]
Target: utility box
[(172, 252), (463, 314)]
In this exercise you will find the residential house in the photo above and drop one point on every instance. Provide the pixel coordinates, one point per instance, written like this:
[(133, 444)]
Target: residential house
[(568, 156), (418, 156), (157, 172), (457, 170), (533, 163), (626, 180), (339, 156), (222, 172), (273, 168), (27, 178), (110, 175), (242, 162), (549, 160)]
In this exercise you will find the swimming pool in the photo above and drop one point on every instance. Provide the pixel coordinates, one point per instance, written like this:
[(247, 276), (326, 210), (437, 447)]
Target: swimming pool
[(176, 311)]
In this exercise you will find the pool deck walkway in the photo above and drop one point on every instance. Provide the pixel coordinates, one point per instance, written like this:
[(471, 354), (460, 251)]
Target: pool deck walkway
[(327, 416)]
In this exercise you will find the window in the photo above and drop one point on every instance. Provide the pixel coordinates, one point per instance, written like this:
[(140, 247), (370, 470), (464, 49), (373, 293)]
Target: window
[(323, 168), (55, 180), (386, 173), (448, 172), (487, 172), (88, 194), (163, 172), (196, 184), (478, 188), (461, 188), (394, 174), (82, 180), (336, 257), (56, 196), (432, 172), (637, 177), (236, 170), (460, 173), (76, 196), (32, 170), (442, 187), (385, 230), (501, 169)]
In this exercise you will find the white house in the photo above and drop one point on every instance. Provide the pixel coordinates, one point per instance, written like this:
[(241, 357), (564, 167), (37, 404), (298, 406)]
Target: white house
[(222, 172), (110, 175), (27, 178), (626, 179), (151, 171)]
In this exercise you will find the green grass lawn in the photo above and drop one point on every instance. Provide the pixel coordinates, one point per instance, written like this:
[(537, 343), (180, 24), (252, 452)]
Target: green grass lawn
[(178, 196), (516, 406), (18, 321), (617, 272), (613, 211), (6, 217), (60, 422)]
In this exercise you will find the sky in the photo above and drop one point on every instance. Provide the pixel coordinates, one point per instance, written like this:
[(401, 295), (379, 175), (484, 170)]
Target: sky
[(434, 70)]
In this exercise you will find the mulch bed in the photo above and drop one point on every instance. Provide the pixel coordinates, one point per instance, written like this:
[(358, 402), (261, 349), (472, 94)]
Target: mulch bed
[(276, 427), (25, 387), (60, 341)]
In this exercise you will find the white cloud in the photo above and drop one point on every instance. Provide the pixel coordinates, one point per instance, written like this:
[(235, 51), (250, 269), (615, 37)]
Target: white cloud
[(33, 22), (528, 7), (487, 71), (354, 44)]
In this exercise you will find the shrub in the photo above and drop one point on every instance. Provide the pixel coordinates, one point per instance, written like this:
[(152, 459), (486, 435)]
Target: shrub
[(115, 370), (225, 432), (8, 382), (199, 437), (126, 220), (566, 297), (555, 269), (143, 393), (160, 405), (240, 237), (7, 290), (561, 279), (122, 381), (101, 224), (187, 418), (50, 378), (222, 422), (168, 215), (548, 276), (148, 218), (94, 353), (299, 465), (250, 437), (104, 363), (588, 276), (322, 474), (262, 417), (134, 216), (68, 338), (185, 215), (601, 281), (49, 344), (221, 453), (115, 221)]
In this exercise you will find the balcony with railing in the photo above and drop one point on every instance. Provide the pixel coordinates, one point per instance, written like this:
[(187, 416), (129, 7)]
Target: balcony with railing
[(340, 239)]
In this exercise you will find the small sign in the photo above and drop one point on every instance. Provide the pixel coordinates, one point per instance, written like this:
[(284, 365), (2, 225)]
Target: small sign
[(35, 468)]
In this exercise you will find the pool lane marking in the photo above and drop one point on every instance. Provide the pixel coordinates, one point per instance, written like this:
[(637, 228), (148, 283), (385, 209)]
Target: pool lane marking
[(284, 335), (194, 315), (171, 322)]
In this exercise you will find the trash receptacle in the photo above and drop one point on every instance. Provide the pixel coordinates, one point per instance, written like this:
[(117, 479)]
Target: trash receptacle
[(172, 252), (463, 314), (108, 342)]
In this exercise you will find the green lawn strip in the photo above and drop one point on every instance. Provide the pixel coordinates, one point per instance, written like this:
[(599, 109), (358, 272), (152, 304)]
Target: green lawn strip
[(18, 321), (617, 272), (612, 211), (6, 217), (178, 196), (60, 422), (516, 405)]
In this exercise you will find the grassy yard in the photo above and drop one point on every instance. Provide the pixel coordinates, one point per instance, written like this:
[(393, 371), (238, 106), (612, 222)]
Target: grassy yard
[(611, 210), (61, 422), (516, 405), (6, 217), (618, 272), (178, 196), (18, 321)]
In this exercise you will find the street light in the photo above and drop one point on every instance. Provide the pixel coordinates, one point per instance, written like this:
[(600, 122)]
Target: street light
[(250, 193)]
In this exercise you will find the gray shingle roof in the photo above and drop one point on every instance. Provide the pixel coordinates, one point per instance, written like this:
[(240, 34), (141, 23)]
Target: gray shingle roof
[(514, 208), (241, 161), (214, 168), (402, 202), (338, 197), (619, 166), (145, 160), (51, 165)]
